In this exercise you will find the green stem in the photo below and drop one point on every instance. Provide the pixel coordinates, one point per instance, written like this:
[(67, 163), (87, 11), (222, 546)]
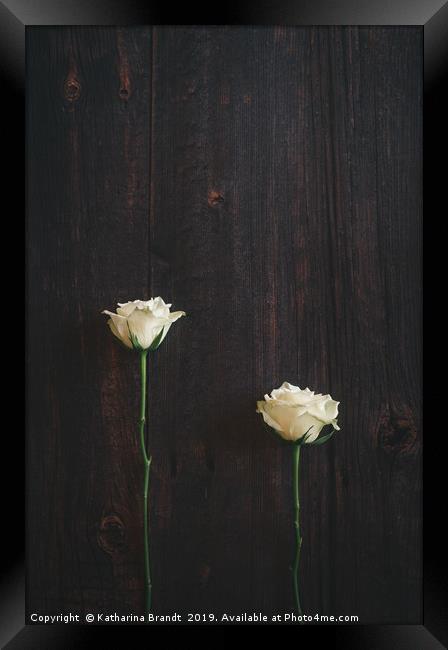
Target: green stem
[(298, 539), (147, 464)]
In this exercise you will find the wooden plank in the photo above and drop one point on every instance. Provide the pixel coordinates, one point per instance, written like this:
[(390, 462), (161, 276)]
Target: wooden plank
[(88, 161), (286, 194)]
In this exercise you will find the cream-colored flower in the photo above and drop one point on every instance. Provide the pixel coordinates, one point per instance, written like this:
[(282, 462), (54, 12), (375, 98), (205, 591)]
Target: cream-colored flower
[(293, 412), (142, 324)]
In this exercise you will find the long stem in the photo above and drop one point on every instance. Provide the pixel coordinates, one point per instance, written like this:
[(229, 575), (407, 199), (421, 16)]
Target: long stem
[(147, 464), (298, 539)]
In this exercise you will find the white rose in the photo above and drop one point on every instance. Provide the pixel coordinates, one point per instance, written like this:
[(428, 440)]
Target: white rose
[(142, 324), (293, 412)]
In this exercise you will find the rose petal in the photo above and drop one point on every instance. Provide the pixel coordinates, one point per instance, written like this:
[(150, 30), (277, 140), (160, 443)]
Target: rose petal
[(145, 327), (126, 308), (324, 409), (283, 414), (119, 327), (267, 418), (303, 424)]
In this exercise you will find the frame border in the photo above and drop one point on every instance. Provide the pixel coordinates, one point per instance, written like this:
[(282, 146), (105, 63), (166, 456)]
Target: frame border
[(15, 15)]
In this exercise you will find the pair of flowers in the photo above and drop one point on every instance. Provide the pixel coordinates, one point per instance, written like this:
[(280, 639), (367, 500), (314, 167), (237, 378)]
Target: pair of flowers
[(298, 416), (291, 412)]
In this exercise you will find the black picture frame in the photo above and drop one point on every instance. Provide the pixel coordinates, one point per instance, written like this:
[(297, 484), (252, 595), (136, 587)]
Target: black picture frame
[(15, 15)]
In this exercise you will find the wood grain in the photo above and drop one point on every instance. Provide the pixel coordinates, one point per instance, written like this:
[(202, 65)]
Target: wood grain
[(267, 181)]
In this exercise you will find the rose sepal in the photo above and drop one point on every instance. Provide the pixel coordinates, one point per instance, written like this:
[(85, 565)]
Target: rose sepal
[(134, 340), (322, 439), (157, 341), (301, 442)]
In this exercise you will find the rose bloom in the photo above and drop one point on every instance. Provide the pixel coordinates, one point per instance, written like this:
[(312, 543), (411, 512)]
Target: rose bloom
[(293, 412), (142, 324)]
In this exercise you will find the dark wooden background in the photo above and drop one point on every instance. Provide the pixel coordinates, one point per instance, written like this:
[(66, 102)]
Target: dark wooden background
[(268, 182)]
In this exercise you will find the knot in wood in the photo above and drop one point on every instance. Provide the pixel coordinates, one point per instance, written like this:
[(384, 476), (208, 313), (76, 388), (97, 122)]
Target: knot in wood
[(214, 198), (397, 432), (111, 535), (72, 89)]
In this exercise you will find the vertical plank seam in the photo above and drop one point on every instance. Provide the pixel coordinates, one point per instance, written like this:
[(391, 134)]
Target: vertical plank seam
[(150, 164)]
